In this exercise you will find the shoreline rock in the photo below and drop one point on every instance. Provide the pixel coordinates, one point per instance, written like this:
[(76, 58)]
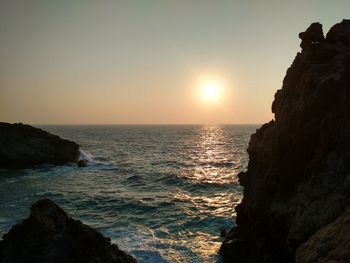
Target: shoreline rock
[(297, 185), (24, 146), (49, 235), (82, 163)]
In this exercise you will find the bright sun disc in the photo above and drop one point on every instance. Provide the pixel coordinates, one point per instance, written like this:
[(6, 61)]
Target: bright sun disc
[(211, 91)]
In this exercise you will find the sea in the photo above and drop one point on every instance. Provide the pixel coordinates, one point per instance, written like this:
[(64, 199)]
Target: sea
[(163, 193)]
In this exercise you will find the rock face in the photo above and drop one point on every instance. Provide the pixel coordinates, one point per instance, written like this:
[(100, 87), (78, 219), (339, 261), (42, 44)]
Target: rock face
[(329, 244), (297, 185), (49, 235), (25, 146)]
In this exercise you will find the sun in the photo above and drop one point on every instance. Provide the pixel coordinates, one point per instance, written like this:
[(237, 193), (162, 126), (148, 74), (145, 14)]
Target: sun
[(211, 91)]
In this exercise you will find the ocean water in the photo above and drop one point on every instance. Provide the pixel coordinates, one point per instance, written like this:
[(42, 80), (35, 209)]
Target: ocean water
[(162, 193)]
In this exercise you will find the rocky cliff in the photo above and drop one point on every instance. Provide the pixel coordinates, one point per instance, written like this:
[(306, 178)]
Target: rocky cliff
[(297, 186), (25, 146), (49, 235)]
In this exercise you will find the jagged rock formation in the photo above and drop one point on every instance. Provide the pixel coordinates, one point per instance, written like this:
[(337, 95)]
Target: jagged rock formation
[(297, 185), (49, 235), (25, 146)]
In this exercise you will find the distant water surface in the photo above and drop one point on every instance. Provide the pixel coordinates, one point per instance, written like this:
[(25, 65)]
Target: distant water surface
[(161, 192)]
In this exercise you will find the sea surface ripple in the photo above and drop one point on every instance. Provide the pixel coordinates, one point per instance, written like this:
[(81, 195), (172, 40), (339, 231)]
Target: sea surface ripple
[(162, 193)]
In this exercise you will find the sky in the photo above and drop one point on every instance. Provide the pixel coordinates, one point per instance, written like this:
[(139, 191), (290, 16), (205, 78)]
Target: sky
[(145, 62)]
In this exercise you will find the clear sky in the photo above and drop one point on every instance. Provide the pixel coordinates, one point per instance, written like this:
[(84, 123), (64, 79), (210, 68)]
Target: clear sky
[(94, 62)]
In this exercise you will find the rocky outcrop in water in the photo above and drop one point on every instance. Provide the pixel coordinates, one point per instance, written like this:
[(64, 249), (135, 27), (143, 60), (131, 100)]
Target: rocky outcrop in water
[(82, 163), (296, 199), (49, 235), (25, 146)]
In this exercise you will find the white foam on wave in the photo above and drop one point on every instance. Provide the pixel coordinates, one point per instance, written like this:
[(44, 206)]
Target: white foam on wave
[(84, 155), (92, 160)]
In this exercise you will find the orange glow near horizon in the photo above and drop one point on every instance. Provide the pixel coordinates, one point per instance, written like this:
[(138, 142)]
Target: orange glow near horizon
[(132, 62)]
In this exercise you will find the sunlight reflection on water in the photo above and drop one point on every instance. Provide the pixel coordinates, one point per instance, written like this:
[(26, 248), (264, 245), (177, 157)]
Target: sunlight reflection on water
[(161, 193), (212, 158)]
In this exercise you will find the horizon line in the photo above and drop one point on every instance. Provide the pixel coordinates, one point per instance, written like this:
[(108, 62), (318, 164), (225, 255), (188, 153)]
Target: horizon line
[(140, 124)]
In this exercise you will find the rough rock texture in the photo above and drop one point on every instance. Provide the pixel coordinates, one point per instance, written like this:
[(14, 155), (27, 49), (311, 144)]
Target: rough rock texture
[(49, 235), (25, 146), (329, 244), (298, 177)]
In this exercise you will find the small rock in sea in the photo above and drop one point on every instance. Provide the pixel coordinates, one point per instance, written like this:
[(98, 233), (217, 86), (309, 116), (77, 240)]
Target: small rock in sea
[(82, 163), (223, 232), (49, 235)]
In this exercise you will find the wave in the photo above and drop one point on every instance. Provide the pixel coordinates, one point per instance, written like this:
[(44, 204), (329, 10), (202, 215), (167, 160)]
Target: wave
[(94, 161), (84, 155)]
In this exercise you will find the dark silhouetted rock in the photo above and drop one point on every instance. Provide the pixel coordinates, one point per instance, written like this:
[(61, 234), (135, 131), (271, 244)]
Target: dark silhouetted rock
[(340, 33), (82, 163), (223, 232), (312, 36), (49, 235), (329, 244), (25, 146), (298, 177)]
